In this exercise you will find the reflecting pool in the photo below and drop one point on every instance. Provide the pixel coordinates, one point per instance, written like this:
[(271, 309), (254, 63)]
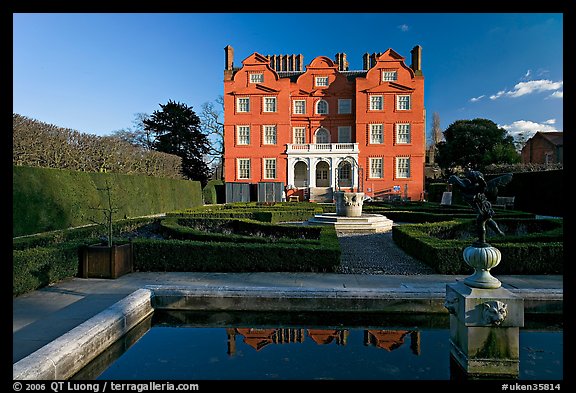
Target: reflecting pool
[(285, 346)]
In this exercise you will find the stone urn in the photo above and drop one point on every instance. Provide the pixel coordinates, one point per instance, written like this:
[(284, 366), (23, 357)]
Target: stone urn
[(349, 204), (482, 257)]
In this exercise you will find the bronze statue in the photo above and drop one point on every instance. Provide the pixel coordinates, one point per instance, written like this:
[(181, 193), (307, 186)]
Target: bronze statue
[(474, 188)]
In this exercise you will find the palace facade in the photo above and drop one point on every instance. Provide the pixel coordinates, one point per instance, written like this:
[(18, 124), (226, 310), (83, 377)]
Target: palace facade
[(322, 127)]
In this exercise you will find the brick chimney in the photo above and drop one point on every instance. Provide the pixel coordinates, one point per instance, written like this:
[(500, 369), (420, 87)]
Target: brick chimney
[(366, 61), (341, 61), (416, 59), (228, 62)]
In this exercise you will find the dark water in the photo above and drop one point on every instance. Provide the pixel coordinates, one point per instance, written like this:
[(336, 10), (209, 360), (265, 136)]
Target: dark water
[(238, 348)]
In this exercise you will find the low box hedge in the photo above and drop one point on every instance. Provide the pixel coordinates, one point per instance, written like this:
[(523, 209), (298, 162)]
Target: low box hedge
[(419, 212), (236, 230), (532, 253), (271, 214), (186, 255), (93, 232), (37, 267)]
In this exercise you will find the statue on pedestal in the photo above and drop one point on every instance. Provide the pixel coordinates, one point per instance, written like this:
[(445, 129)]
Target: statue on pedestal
[(474, 188)]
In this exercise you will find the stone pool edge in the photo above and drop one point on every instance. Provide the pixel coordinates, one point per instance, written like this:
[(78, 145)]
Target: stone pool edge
[(69, 353), (65, 356)]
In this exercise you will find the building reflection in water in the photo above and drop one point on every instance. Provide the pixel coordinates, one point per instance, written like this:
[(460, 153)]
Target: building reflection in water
[(259, 338)]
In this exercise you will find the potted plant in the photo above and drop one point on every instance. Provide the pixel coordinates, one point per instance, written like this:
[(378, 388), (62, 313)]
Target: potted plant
[(106, 259)]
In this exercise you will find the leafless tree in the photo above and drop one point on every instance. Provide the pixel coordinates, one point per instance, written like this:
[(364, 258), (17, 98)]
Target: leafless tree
[(212, 125)]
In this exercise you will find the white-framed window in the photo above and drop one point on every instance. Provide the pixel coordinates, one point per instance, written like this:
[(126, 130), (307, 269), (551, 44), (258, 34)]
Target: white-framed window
[(243, 168), (269, 168), (376, 171), (376, 103), (322, 107), (257, 78), (344, 106), (269, 104), (402, 167), (389, 75), (403, 133), (243, 135), (299, 107), (269, 134), (322, 136), (376, 133), (299, 135), (403, 103), (344, 134), (243, 104), (321, 81)]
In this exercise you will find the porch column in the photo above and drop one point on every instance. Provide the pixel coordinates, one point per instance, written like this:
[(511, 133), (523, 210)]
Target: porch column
[(312, 172)]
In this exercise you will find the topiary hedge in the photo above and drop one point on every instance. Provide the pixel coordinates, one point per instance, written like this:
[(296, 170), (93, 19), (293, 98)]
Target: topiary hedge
[(214, 192), (186, 255), (48, 199), (39, 266), (419, 212), (241, 231), (275, 213), (439, 246)]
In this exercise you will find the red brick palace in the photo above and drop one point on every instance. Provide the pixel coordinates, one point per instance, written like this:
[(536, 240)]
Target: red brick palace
[(326, 127)]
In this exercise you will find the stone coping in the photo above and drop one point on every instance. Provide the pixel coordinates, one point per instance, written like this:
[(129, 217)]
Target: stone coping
[(66, 355)]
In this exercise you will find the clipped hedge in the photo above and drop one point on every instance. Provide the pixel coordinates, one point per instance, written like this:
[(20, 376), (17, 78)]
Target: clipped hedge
[(185, 255), (39, 266), (87, 233), (214, 192), (271, 214), (434, 244), (419, 212), (48, 199), (241, 231)]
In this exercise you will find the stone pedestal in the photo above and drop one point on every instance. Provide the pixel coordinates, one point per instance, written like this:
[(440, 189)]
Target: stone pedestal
[(484, 330), (349, 204)]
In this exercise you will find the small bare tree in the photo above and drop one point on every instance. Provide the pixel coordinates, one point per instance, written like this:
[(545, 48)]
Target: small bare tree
[(212, 126), (108, 211)]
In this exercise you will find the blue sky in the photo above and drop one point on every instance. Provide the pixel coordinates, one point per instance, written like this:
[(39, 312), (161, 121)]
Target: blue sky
[(93, 72)]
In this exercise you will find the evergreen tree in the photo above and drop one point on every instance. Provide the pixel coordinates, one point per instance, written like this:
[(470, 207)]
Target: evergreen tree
[(176, 130)]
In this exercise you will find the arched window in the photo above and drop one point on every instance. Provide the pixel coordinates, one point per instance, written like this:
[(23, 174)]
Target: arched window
[(322, 136), (322, 107)]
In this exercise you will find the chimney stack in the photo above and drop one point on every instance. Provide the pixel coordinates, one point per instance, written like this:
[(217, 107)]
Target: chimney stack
[(366, 61), (341, 62), (228, 62), (417, 59), (229, 57)]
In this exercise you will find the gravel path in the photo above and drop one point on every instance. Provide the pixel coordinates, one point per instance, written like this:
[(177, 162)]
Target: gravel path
[(376, 253)]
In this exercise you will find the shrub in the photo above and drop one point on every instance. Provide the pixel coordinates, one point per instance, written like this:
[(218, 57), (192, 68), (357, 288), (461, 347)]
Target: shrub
[(439, 246), (39, 266), (185, 255), (213, 192)]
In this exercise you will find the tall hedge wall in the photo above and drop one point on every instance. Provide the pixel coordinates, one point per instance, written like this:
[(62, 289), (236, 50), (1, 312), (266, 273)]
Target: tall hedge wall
[(48, 199)]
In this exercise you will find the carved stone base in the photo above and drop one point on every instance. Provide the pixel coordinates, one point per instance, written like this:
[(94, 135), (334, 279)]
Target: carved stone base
[(484, 329)]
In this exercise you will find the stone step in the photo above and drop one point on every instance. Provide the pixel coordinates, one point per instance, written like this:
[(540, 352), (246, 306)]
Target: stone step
[(367, 223)]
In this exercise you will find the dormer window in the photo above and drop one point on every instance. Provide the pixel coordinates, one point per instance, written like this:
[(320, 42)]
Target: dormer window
[(256, 78), (321, 81), (389, 75)]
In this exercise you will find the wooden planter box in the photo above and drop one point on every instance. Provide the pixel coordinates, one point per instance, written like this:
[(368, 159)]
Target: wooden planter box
[(99, 261)]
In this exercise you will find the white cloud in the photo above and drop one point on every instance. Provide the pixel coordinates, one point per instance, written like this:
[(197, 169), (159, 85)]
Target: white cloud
[(527, 74), (557, 94), (529, 87), (474, 99), (528, 128), (404, 27), (497, 95)]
